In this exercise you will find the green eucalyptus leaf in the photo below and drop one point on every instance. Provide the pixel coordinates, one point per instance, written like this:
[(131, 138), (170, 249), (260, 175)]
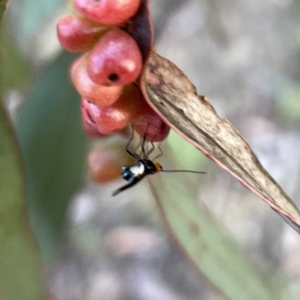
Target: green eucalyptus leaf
[(205, 244), (20, 263), (53, 145)]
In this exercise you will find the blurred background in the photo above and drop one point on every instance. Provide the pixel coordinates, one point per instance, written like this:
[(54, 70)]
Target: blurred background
[(245, 56)]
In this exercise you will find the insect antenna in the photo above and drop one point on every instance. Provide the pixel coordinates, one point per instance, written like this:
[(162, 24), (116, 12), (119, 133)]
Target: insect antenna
[(182, 171), (175, 171)]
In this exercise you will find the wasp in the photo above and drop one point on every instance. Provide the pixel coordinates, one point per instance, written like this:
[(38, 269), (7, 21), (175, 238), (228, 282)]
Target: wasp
[(143, 166)]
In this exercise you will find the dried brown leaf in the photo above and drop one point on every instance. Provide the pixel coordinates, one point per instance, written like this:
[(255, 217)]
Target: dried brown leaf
[(172, 95)]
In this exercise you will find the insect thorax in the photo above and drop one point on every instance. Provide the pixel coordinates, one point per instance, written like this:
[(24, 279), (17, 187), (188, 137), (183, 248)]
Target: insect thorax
[(138, 169)]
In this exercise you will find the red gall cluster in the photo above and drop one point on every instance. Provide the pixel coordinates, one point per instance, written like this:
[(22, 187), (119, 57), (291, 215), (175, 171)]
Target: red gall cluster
[(106, 76)]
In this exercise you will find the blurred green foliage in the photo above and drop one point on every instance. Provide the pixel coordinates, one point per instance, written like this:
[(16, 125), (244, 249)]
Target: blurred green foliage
[(40, 13), (3, 4), (20, 263), (48, 125), (14, 77), (290, 98), (53, 146)]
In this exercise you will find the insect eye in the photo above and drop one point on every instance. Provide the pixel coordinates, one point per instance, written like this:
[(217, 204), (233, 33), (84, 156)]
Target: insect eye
[(126, 173)]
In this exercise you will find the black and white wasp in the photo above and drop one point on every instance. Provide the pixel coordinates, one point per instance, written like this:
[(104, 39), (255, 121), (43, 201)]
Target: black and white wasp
[(143, 166)]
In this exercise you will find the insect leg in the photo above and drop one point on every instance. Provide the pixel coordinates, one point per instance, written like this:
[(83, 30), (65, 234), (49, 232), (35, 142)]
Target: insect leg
[(128, 144), (160, 153), (143, 142), (151, 149), (144, 155)]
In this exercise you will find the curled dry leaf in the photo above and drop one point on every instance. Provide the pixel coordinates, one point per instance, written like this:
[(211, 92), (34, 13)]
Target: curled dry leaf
[(140, 28), (172, 95)]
